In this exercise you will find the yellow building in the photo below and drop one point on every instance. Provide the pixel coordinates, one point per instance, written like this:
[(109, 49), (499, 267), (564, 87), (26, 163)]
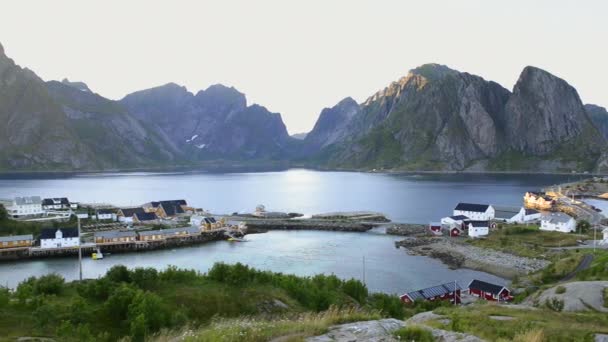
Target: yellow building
[(16, 241)]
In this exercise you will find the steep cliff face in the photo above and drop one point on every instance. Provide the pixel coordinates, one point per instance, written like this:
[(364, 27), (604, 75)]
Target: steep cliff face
[(599, 117), (435, 117), (214, 123), (544, 113), (332, 125), (34, 134)]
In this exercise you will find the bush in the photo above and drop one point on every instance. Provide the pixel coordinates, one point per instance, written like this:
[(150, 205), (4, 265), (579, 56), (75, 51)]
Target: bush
[(554, 304), (50, 284), (388, 305), (560, 290), (118, 274), (414, 333), (3, 213), (583, 226), (356, 289)]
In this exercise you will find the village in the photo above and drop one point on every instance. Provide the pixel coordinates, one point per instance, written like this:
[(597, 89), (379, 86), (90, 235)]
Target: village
[(152, 225)]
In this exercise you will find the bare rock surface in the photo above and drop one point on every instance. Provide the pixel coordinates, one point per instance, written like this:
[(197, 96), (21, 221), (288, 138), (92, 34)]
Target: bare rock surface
[(579, 296)]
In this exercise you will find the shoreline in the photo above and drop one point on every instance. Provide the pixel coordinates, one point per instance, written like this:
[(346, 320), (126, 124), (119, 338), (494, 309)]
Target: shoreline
[(284, 166)]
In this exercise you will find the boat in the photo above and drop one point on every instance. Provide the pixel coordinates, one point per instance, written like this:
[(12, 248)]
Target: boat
[(97, 255), (235, 239)]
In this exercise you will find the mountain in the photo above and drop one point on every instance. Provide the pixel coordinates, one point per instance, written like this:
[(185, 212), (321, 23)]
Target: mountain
[(214, 123), (437, 118), (599, 117)]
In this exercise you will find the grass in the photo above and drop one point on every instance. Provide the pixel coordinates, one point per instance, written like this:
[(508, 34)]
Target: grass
[(526, 240), (414, 333), (598, 270), (606, 297), (525, 325), (251, 329)]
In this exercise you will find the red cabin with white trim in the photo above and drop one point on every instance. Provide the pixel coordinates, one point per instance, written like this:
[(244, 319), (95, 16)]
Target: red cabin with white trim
[(491, 292)]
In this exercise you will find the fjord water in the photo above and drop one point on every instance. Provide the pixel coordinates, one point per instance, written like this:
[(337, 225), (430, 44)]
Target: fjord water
[(404, 198)]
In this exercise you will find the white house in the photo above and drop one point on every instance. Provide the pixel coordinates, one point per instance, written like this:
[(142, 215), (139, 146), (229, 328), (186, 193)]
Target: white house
[(56, 238), (480, 212), (605, 239), (509, 214), (61, 203), (454, 221), (197, 220), (479, 228), (558, 222), (24, 206), (531, 215), (106, 214)]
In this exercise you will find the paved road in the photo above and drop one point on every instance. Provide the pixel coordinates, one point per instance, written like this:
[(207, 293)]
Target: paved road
[(585, 263)]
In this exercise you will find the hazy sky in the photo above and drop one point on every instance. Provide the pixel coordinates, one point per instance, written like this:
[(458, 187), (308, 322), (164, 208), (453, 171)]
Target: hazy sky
[(297, 57)]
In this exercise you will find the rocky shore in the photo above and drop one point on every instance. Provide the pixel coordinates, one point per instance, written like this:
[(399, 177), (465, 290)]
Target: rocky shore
[(461, 255), (407, 229), (260, 226)]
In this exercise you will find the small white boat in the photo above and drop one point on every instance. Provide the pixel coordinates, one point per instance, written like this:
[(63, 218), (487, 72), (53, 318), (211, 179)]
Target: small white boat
[(97, 255)]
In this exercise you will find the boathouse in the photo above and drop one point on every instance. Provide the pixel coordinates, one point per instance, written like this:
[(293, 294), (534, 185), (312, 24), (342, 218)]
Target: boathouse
[(448, 291), (435, 228), (455, 231), (164, 209), (115, 236), (16, 241), (488, 291), (57, 238), (478, 228), (475, 211), (509, 214)]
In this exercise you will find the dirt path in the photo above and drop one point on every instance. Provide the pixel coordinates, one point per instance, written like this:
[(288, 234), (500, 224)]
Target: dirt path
[(584, 264)]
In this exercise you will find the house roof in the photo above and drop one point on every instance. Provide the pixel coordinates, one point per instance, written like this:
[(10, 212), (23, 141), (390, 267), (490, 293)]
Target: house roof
[(532, 211), (56, 201), (49, 233), (480, 208), (146, 216), (556, 218), (172, 208), (172, 231), (28, 200), (479, 224), (115, 234), (433, 291), (505, 212), (16, 238), (106, 211), (486, 287), (459, 217), (128, 212)]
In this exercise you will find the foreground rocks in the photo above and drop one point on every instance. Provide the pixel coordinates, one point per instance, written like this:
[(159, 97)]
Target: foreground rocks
[(382, 331), (579, 296), (460, 255)]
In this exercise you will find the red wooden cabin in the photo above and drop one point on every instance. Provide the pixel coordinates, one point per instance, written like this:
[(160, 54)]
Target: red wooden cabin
[(447, 291), (489, 291)]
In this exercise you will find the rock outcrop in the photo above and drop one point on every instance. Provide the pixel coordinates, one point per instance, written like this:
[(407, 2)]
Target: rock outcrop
[(599, 117)]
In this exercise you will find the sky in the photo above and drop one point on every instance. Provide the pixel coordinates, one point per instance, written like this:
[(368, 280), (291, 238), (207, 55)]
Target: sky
[(298, 57)]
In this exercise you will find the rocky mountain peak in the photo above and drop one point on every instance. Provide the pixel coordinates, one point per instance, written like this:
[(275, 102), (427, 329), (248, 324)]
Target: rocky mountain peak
[(78, 85), (433, 71), (1, 50)]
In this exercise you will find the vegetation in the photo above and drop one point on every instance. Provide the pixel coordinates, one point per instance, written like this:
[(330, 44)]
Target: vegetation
[(526, 240), (9, 226), (560, 290), (583, 226), (598, 270), (524, 325), (141, 302), (414, 333)]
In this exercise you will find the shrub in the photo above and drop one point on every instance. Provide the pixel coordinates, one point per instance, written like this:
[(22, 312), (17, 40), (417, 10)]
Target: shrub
[(118, 274), (554, 304), (414, 333), (560, 290), (388, 305), (355, 289), (50, 284)]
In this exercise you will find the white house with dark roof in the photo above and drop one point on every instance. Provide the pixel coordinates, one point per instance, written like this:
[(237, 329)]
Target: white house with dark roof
[(558, 222), (478, 228), (531, 215), (58, 203), (482, 212), (57, 238), (454, 221), (106, 214), (24, 206)]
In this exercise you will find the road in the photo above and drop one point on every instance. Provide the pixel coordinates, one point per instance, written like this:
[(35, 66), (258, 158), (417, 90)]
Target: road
[(584, 264)]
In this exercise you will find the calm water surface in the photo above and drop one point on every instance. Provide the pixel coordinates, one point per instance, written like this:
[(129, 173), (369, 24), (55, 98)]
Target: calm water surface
[(404, 198)]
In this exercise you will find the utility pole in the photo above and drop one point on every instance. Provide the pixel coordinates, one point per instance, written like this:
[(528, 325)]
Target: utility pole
[(79, 249), (364, 270)]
